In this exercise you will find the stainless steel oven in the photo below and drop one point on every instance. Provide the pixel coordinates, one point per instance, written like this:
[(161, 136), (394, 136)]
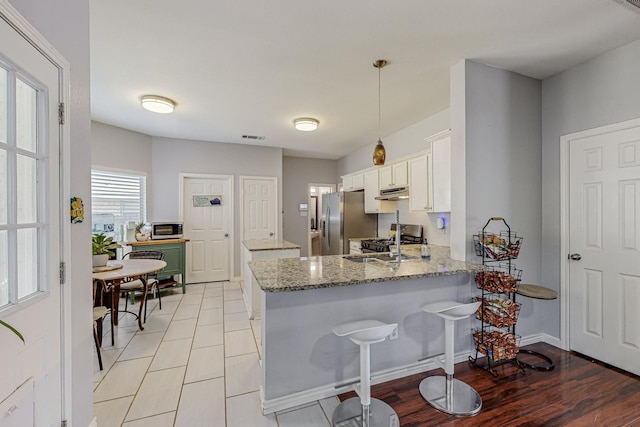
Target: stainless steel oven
[(409, 234)]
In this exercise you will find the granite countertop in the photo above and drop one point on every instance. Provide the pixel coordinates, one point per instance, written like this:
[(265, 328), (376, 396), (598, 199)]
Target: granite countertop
[(297, 274), (268, 244)]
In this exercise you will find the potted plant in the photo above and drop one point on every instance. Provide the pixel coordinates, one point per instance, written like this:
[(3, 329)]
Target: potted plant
[(102, 248), (12, 329), (142, 235)]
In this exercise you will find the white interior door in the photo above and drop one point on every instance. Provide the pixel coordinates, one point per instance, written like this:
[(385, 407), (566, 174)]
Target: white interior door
[(30, 228), (259, 208), (604, 227), (208, 226)]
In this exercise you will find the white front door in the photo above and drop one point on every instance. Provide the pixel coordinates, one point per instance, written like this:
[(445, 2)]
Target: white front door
[(30, 227), (259, 208), (208, 226), (604, 246)]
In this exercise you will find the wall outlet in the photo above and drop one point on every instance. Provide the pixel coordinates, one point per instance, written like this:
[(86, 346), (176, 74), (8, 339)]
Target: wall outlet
[(394, 334)]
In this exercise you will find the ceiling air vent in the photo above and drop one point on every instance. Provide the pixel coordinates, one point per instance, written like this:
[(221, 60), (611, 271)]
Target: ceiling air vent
[(635, 3), (258, 138)]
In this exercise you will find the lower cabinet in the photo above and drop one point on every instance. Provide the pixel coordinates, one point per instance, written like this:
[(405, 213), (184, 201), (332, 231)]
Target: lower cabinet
[(174, 256)]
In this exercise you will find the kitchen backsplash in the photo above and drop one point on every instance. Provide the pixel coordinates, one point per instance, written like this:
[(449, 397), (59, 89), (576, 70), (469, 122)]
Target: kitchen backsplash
[(434, 235)]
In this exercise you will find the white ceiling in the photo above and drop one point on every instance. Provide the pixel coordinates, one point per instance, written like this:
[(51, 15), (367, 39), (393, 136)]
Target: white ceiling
[(249, 67)]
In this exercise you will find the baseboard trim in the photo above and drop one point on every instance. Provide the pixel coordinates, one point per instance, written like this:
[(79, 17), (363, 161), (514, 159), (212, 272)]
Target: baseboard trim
[(270, 406), (296, 399), (551, 340)]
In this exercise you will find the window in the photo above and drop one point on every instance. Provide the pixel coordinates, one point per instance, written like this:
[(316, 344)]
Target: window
[(117, 198), (23, 217)]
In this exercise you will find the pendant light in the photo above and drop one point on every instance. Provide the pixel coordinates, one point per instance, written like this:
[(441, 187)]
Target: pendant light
[(379, 152)]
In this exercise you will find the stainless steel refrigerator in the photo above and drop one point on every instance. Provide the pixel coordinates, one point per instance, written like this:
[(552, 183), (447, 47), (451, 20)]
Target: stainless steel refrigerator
[(343, 218)]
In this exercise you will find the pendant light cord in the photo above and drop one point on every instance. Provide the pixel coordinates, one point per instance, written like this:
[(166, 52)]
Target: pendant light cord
[(379, 104)]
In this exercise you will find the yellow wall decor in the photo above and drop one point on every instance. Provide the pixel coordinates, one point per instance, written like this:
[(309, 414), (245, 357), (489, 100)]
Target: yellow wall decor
[(77, 210)]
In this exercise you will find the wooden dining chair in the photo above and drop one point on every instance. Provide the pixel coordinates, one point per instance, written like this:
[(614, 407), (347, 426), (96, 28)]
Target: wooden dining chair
[(102, 304), (138, 286)]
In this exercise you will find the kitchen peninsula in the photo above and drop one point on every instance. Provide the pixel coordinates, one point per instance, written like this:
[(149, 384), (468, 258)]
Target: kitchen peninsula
[(304, 298), (256, 250)]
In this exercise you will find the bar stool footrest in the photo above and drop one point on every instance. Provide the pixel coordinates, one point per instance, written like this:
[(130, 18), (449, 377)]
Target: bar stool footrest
[(464, 400), (349, 413), (546, 359)]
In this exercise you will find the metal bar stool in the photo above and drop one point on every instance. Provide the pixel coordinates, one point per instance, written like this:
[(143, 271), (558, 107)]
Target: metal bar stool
[(445, 393), (365, 411)]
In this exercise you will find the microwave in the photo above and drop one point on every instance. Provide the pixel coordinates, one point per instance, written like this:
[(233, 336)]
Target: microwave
[(166, 230)]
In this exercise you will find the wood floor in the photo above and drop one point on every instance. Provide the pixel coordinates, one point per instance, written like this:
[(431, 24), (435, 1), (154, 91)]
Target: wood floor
[(578, 392)]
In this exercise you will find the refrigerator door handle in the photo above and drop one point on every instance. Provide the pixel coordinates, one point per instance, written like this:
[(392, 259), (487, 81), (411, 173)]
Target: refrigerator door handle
[(329, 225)]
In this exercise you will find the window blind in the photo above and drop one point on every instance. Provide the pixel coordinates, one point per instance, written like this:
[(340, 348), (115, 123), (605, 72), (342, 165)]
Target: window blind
[(123, 195)]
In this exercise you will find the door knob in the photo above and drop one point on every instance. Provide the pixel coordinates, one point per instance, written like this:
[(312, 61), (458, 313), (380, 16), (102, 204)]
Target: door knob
[(270, 234), (226, 234), (575, 257)]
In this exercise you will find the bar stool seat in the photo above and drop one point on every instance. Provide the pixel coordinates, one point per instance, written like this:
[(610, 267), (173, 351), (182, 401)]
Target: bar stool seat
[(364, 410), (537, 292), (446, 393)]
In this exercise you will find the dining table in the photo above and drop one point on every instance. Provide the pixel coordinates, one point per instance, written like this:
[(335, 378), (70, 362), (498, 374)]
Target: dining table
[(116, 272)]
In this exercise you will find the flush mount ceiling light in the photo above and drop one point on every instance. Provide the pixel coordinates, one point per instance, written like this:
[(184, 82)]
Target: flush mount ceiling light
[(306, 124), (158, 104), (379, 152)]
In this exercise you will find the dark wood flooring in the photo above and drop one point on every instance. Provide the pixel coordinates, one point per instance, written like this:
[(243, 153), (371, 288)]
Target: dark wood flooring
[(577, 392)]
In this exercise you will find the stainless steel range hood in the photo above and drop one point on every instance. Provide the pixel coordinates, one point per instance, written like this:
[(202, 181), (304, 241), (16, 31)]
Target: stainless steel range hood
[(398, 193)]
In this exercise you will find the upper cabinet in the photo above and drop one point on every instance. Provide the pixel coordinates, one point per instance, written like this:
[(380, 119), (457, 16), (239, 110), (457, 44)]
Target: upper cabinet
[(430, 177), (353, 182), (393, 175), (441, 173), (427, 174), (371, 191), (419, 183)]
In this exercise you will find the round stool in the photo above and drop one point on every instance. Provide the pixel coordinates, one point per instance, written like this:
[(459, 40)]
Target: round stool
[(445, 393), (538, 292), (365, 411)]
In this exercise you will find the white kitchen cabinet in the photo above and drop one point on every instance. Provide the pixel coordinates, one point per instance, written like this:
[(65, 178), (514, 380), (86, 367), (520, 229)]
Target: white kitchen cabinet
[(430, 177), (371, 191), (394, 175), (419, 183), (441, 174), (353, 182)]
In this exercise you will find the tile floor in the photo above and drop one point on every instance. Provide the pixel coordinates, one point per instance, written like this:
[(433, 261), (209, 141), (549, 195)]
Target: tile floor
[(195, 364)]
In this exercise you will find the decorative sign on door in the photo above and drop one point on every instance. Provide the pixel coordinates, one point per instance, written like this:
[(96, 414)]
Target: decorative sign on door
[(207, 200)]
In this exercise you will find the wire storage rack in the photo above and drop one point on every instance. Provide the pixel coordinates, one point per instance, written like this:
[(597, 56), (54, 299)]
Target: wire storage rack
[(498, 312)]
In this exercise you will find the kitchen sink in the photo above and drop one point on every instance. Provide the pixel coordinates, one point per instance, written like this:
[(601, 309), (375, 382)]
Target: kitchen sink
[(378, 257)]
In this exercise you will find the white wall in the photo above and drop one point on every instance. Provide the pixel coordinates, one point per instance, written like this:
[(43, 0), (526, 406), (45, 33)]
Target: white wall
[(297, 174), (599, 92), (121, 149), (397, 145), (496, 141), (171, 157), (65, 24)]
